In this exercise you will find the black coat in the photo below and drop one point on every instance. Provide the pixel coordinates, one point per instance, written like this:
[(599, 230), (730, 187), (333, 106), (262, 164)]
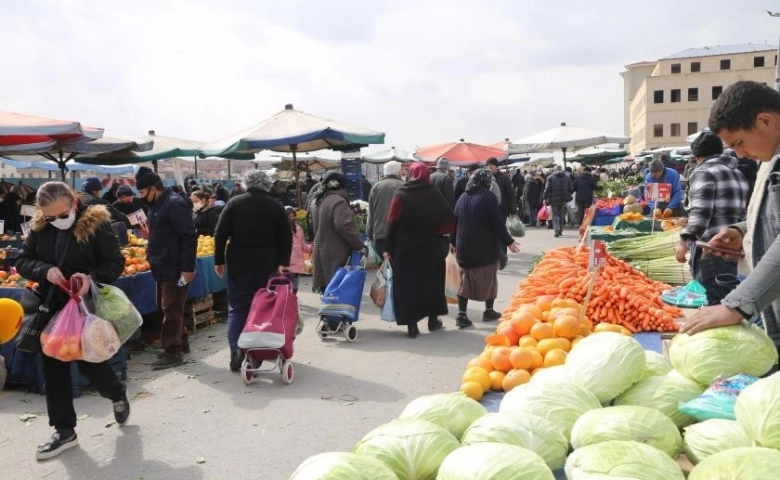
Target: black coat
[(116, 216), (206, 220), (508, 204), (172, 238), (259, 233), (558, 189), (92, 249), (585, 184), (533, 192)]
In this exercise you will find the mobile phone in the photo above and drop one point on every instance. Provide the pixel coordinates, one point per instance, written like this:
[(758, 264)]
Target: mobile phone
[(724, 251)]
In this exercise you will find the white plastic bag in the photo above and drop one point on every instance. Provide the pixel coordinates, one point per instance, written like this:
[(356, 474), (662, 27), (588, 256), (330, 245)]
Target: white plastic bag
[(388, 310)]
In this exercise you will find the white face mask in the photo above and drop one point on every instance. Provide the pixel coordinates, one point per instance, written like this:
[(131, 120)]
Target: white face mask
[(65, 223)]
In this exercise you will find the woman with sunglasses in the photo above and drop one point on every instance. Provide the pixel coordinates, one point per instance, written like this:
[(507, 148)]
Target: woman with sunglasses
[(82, 241)]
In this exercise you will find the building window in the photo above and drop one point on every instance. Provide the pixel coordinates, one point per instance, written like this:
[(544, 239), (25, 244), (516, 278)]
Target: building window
[(693, 94), (675, 95), (693, 127), (716, 91), (658, 96), (676, 68), (675, 127), (658, 130), (725, 64), (758, 62), (695, 67)]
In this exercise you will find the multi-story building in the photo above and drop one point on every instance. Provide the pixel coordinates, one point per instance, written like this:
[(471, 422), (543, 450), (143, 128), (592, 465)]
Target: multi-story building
[(669, 99)]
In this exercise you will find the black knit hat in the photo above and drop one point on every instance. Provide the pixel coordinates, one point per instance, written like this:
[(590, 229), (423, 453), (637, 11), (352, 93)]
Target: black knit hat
[(706, 144), (146, 178)]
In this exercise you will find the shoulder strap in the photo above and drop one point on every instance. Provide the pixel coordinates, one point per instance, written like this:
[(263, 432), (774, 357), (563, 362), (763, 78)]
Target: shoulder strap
[(65, 244)]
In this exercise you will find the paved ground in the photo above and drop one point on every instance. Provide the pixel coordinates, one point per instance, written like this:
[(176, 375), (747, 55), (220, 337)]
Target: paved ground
[(199, 421)]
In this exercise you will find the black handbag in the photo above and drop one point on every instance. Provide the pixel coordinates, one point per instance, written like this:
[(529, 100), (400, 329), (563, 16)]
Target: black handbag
[(36, 314)]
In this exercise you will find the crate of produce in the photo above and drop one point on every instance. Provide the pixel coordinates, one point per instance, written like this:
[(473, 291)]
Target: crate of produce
[(199, 311)]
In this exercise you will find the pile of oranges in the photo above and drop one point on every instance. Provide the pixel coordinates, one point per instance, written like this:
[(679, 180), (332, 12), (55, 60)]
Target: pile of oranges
[(529, 339), (135, 260), (14, 280)]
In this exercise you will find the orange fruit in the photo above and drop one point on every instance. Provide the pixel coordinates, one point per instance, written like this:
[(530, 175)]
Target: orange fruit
[(558, 303), (565, 343), (497, 340), (625, 331), (575, 340), (587, 323), (500, 359), (514, 378), (506, 329), (478, 375), (521, 357), (607, 327), (496, 381), (573, 304), (534, 310), (566, 326), (554, 357), (584, 331), (547, 344), (472, 390), (522, 321), (545, 302), (538, 358), (3, 274), (542, 330), (527, 341), (482, 361), (488, 351)]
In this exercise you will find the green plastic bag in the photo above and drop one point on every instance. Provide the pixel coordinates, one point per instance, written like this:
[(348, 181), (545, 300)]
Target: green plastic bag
[(515, 226), (692, 295)]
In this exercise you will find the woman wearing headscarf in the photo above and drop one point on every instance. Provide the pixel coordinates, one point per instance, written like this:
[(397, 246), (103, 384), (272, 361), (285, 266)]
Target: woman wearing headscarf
[(418, 219), (478, 225), (254, 236), (335, 235)]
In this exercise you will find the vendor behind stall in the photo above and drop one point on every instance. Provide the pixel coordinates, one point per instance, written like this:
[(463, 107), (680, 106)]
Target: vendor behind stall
[(660, 174), (127, 202)]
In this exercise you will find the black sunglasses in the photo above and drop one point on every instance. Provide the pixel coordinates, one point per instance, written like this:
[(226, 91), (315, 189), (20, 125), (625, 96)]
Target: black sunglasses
[(61, 216)]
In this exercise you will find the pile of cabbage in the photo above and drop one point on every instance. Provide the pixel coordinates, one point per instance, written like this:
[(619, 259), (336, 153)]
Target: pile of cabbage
[(614, 404)]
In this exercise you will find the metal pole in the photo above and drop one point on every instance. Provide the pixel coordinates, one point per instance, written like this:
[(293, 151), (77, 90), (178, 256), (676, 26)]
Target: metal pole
[(196, 166), (777, 66), (298, 197)]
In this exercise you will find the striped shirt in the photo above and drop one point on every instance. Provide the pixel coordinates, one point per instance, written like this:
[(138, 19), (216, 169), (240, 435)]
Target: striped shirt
[(718, 198)]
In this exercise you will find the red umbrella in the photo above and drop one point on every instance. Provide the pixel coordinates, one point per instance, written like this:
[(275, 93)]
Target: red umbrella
[(460, 153), (22, 133)]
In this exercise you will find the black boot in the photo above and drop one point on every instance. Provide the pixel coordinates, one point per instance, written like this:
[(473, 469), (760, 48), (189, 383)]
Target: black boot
[(413, 330), (490, 315), (462, 321), (434, 324)]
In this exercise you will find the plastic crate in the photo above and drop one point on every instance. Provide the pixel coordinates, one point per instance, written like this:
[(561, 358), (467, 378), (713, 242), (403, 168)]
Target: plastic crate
[(603, 221)]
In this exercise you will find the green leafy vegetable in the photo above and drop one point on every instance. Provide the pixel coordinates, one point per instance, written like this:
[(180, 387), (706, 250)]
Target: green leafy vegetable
[(342, 465), (665, 393), (493, 461), (744, 463), (709, 437), (758, 411), (452, 411), (622, 460)]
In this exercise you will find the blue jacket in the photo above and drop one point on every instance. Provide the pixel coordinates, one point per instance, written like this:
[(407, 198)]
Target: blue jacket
[(172, 238), (672, 177), (585, 184)]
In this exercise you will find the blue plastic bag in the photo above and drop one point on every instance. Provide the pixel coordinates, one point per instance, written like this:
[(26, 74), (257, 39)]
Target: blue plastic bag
[(719, 399), (344, 293), (388, 310)]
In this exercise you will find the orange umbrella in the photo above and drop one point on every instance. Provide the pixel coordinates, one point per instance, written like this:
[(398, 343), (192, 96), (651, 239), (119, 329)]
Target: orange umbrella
[(460, 153)]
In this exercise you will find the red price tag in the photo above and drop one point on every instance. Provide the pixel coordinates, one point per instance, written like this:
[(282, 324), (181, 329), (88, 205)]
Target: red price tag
[(598, 255), (658, 192)]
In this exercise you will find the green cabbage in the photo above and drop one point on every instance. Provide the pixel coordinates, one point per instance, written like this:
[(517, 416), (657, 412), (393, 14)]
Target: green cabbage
[(657, 364), (624, 460), (606, 363), (561, 404), (744, 463), (758, 411), (452, 411), (628, 422), (413, 449), (493, 461), (665, 393), (112, 305), (341, 465), (522, 430), (709, 437), (723, 352), (554, 374)]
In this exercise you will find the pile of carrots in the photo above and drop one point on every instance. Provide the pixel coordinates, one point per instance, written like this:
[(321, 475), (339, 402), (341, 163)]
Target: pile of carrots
[(621, 294)]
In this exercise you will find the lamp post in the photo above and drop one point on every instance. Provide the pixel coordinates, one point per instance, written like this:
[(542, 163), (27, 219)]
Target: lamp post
[(777, 64)]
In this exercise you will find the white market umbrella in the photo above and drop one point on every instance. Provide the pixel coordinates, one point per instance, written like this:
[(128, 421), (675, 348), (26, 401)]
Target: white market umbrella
[(563, 138), (394, 154)]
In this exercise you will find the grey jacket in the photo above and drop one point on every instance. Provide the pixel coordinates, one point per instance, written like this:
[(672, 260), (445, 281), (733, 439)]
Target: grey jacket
[(760, 292), (443, 182), (379, 204)]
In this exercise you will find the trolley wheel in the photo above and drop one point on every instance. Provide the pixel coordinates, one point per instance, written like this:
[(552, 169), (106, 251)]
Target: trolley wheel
[(288, 372), (322, 329), (246, 375), (351, 333)]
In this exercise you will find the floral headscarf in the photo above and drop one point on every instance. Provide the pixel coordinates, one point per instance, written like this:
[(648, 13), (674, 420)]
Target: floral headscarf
[(481, 178), (331, 181), (419, 172)]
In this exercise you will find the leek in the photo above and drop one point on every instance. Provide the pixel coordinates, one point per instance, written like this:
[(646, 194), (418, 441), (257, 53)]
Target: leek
[(651, 247), (665, 269)]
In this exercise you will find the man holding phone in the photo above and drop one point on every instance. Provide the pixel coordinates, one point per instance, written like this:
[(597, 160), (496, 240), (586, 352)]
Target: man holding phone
[(717, 198), (747, 118)]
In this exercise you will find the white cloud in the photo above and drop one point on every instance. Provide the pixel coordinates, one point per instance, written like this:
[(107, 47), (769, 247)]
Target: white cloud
[(424, 72)]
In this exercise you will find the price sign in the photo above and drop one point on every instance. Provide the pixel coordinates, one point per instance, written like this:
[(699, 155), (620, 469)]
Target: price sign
[(26, 227), (2, 227), (597, 257), (137, 218), (27, 210), (658, 192)]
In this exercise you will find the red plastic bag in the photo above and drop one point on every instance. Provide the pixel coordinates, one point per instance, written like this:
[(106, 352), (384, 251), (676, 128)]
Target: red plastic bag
[(61, 339), (544, 212)]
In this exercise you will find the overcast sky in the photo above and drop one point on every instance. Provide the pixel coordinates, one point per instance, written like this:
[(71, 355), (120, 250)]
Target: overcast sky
[(423, 71)]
